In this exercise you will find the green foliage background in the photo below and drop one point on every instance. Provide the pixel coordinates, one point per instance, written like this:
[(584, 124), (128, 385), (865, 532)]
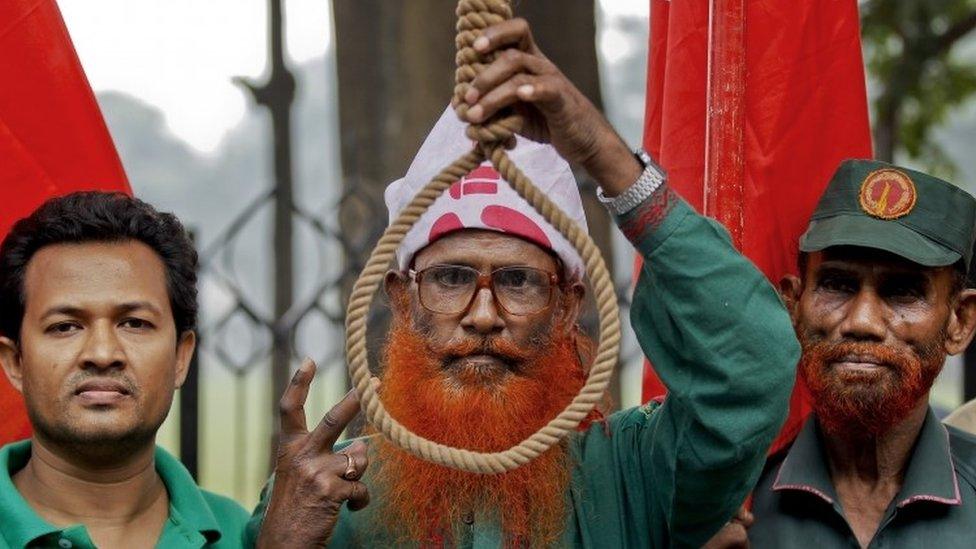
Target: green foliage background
[(921, 55)]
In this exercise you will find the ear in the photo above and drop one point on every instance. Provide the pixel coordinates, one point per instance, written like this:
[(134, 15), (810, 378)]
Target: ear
[(790, 289), (962, 322), (10, 361), (571, 303), (397, 288), (184, 355)]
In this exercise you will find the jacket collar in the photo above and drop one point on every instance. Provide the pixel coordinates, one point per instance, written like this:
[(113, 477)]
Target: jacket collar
[(930, 476)]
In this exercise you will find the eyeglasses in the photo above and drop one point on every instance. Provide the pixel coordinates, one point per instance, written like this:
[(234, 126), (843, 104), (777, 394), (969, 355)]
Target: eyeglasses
[(450, 289)]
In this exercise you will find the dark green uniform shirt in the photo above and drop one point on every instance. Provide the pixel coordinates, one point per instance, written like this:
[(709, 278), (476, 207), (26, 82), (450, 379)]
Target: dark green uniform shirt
[(196, 518), (796, 505), (668, 475)]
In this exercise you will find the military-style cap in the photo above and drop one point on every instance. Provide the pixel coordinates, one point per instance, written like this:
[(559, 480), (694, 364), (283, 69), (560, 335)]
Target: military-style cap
[(876, 205)]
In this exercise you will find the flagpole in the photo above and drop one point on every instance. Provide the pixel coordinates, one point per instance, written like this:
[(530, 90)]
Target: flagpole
[(724, 183)]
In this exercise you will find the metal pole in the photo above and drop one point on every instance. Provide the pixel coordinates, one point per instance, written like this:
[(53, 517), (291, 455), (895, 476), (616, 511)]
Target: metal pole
[(282, 93), (189, 409), (278, 94)]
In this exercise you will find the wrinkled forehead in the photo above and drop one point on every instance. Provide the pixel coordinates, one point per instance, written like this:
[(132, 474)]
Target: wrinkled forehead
[(866, 261), (485, 250)]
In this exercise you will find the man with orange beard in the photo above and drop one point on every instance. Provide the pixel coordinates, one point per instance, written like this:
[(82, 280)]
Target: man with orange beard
[(485, 348), (880, 302)]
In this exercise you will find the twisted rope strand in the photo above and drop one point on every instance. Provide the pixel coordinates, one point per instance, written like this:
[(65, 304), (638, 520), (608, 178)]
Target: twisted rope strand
[(473, 16)]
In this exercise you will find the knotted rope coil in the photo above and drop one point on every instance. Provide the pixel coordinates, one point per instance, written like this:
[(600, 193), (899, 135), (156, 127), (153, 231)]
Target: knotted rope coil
[(473, 16)]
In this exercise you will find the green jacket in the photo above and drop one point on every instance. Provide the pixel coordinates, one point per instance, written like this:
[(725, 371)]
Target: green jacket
[(196, 518), (669, 475), (795, 504)]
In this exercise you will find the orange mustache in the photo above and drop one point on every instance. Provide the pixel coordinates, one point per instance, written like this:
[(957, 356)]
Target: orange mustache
[(858, 403)]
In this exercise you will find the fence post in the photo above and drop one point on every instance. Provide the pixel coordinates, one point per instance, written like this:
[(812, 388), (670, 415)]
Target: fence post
[(189, 407)]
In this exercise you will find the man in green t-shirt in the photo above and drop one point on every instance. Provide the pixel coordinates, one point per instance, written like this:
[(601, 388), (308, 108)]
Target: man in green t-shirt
[(97, 310), (485, 348)]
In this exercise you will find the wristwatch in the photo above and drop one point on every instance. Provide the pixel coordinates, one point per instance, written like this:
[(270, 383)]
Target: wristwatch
[(650, 179)]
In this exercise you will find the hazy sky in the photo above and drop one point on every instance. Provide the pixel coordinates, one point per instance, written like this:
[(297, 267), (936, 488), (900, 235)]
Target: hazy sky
[(180, 55)]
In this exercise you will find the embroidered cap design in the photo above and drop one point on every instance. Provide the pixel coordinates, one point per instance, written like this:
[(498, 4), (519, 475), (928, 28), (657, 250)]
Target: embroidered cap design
[(887, 194)]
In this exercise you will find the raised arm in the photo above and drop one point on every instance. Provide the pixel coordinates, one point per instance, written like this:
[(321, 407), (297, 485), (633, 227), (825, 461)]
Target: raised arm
[(722, 342), (713, 326)]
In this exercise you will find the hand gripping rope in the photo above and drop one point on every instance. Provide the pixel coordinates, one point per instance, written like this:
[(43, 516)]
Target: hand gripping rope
[(474, 15)]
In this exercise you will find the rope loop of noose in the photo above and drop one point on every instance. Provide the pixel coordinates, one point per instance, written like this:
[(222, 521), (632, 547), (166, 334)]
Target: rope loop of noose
[(491, 137)]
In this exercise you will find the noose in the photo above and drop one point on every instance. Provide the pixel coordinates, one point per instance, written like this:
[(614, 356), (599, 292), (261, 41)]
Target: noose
[(491, 137)]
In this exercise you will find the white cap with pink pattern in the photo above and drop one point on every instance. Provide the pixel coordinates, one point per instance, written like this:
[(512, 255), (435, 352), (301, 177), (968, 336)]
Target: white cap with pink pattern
[(482, 199)]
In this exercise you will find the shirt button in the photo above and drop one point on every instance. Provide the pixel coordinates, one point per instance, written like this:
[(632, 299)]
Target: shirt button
[(468, 518), (65, 543)]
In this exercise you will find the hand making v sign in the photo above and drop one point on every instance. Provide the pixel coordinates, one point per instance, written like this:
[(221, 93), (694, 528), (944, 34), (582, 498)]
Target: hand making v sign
[(311, 481)]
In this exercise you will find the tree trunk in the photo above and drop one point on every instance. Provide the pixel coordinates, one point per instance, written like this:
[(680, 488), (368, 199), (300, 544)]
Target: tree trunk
[(395, 65), (566, 33), (886, 131)]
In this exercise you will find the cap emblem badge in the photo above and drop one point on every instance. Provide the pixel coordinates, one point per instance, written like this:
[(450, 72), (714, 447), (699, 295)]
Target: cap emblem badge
[(888, 194)]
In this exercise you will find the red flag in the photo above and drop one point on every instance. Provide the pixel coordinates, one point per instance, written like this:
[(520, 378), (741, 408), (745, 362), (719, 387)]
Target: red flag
[(751, 106), (53, 139)]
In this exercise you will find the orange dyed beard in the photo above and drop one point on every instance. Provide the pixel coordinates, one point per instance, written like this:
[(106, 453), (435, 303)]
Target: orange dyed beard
[(421, 501), (867, 404)]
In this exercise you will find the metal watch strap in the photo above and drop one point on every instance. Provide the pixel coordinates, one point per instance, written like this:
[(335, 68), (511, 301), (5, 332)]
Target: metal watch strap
[(650, 179)]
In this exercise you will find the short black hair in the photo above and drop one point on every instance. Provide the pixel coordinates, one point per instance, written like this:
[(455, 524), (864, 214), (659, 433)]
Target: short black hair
[(93, 216)]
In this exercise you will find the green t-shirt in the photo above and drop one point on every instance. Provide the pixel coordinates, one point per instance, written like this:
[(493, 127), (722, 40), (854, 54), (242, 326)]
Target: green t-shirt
[(196, 518), (667, 475)]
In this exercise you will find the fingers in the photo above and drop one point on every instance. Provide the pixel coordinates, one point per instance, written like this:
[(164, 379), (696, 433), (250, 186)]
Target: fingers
[(356, 460), (333, 422), (349, 466), (511, 33), (509, 63), (291, 407), (538, 90), (737, 536), (732, 536), (744, 517), (358, 496), (520, 72)]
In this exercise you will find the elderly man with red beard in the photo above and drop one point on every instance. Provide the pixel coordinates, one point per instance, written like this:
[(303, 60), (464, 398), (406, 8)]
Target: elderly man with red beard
[(485, 348), (880, 302)]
